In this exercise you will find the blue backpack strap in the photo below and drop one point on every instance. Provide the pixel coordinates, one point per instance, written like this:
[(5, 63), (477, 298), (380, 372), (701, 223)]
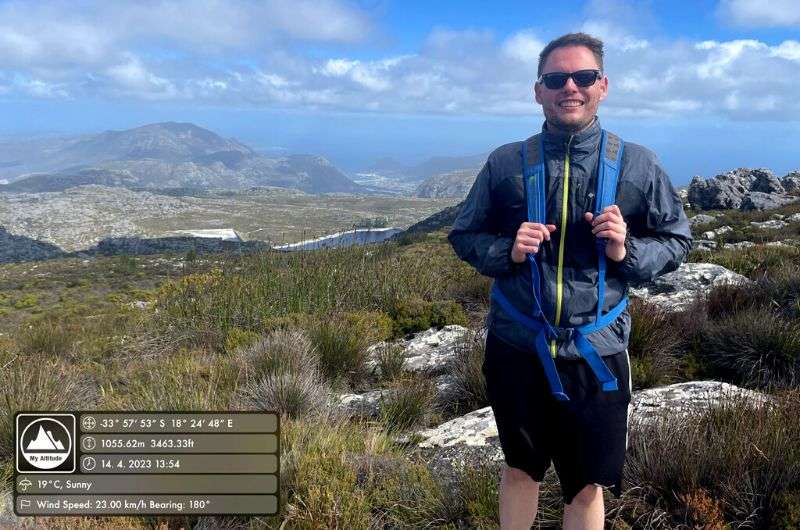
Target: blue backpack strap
[(606, 194), (533, 176), (607, 177)]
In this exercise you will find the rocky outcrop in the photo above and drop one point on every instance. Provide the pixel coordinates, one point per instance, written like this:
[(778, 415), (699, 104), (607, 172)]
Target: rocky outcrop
[(791, 182), (677, 290), (745, 189), (453, 184), (757, 200), (701, 219), (429, 352), (472, 439), (16, 249), (437, 221)]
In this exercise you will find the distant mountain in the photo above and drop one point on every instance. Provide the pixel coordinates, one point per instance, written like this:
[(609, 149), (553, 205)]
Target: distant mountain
[(161, 155), (453, 184), (438, 165)]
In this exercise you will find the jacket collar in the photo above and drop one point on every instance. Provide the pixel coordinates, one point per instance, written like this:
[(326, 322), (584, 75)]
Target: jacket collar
[(583, 143)]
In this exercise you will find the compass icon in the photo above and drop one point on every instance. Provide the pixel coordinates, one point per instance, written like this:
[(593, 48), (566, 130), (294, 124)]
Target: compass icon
[(88, 423)]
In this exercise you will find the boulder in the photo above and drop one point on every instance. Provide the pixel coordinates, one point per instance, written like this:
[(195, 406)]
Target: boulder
[(772, 224), (757, 200), (677, 290), (722, 192), (704, 244), (766, 182), (683, 399), (740, 244), (791, 182), (700, 219), (794, 218), (430, 352)]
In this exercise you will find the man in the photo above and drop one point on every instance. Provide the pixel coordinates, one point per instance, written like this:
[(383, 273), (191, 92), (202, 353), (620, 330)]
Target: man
[(643, 234)]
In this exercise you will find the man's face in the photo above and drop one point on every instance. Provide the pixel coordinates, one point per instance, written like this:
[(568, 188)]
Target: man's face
[(570, 108)]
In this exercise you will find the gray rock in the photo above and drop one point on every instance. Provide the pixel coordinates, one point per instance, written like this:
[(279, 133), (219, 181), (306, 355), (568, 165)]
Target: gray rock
[(430, 352), (7, 517), (723, 230), (709, 234), (677, 290), (683, 399), (791, 182), (740, 244), (756, 200), (704, 244), (772, 224), (700, 219), (366, 405), (721, 192), (766, 182), (794, 218)]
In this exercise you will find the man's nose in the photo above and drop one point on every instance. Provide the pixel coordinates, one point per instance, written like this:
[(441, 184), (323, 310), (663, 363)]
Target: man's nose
[(570, 85)]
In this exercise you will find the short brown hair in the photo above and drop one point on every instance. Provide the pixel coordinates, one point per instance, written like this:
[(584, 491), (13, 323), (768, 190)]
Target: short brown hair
[(594, 44)]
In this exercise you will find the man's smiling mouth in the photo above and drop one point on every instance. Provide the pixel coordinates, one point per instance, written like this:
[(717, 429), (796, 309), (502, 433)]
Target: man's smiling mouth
[(570, 103)]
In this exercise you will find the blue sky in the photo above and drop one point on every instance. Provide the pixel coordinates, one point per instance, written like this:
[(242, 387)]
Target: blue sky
[(710, 85)]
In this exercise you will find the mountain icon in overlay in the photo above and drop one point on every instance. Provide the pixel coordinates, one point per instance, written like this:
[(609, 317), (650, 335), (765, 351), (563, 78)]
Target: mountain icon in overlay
[(44, 441)]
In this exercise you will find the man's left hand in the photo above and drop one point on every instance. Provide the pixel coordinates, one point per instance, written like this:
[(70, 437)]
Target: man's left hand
[(610, 225)]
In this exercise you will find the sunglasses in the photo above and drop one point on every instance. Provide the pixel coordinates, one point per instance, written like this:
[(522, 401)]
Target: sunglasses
[(582, 78)]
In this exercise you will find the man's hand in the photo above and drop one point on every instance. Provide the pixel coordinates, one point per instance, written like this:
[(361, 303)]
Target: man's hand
[(529, 237), (610, 225)]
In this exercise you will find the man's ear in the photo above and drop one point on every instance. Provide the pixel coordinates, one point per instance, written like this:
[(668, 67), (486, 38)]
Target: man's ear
[(604, 88), (536, 90)]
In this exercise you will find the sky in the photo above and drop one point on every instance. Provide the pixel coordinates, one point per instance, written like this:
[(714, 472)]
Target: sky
[(709, 85)]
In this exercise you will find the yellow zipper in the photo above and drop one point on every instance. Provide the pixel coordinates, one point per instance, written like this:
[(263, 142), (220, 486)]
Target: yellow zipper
[(560, 270)]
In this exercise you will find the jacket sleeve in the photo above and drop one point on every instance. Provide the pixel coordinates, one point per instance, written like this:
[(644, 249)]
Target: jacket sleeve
[(664, 240), (471, 235)]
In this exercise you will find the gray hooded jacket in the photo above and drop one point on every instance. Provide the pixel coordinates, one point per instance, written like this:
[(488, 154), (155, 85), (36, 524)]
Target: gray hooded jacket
[(483, 234)]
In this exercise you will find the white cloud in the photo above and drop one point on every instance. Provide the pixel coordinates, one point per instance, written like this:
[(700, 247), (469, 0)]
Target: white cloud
[(217, 58), (524, 47), (131, 77), (756, 13)]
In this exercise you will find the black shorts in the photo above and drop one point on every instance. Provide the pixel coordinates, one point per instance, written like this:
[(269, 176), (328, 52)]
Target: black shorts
[(586, 438)]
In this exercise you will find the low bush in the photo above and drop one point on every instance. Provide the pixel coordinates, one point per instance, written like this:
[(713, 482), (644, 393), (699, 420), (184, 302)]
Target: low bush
[(754, 348), (296, 395), (281, 352), (45, 384), (48, 336), (341, 350), (410, 401), (654, 344), (411, 316), (732, 461), (467, 369)]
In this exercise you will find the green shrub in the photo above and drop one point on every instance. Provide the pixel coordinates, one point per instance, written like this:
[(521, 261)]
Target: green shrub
[(373, 326), (480, 491), (390, 358), (179, 382), (341, 350), (26, 302), (410, 401), (468, 370), (653, 345), (738, 453), (237, 338), (754, 347), (786, 511), (295, 395), (44, 384), (281, 352), (48, 336), (415, 315)]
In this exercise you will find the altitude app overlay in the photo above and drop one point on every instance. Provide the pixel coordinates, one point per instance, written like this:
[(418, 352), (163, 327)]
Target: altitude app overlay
[(140, 463)]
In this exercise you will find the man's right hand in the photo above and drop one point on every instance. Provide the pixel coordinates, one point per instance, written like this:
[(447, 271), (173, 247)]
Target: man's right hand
[(529, 237)]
